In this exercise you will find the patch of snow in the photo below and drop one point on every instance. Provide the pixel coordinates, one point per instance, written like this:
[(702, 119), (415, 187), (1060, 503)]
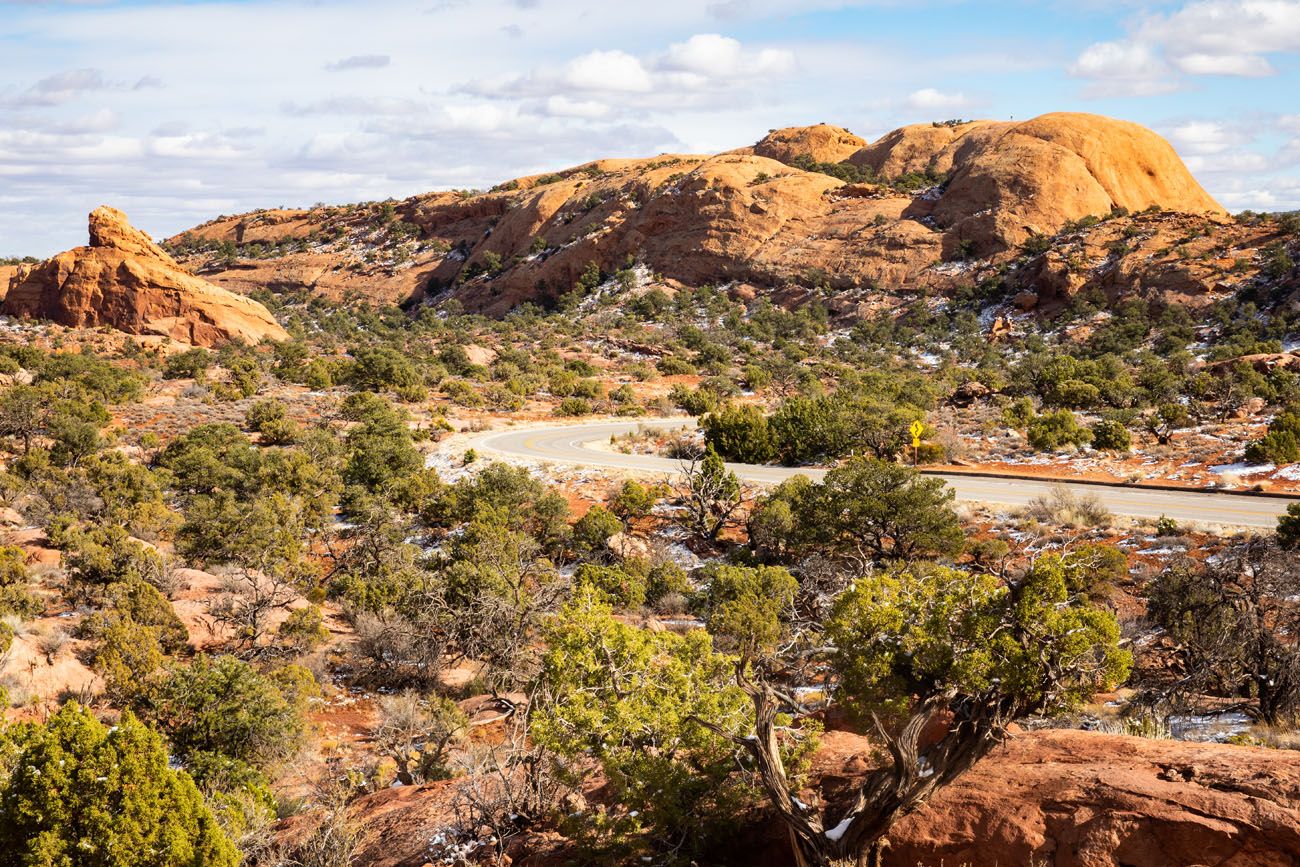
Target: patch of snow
[(1217, 727), (837, 832), (1243, 469)]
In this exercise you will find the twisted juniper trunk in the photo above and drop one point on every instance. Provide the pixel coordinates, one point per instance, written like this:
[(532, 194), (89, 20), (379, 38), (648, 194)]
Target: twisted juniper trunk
[(888, 793)]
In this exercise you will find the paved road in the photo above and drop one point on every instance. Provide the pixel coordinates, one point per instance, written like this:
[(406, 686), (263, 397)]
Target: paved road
[(576, 445)]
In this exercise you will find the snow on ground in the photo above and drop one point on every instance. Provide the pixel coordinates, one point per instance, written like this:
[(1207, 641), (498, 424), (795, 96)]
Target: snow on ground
[(1243, 469), (1217, 727)]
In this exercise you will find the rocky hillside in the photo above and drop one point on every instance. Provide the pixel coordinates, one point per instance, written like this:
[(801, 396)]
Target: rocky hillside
[(812, 211), (122, 279)]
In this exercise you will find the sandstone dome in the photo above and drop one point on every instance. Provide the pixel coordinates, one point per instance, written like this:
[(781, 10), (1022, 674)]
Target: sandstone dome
[(824, 143), (1037, 176)]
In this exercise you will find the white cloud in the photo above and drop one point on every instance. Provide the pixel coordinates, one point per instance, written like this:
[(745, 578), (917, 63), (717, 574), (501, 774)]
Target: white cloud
[(103, 120), (1281, 195), (932, 99), (704, 61), (713, 56), (705, 72), (1237, 158), (351, 105), (1205, 137), (615, 71), (1205, 37), (565, 106), (359, 61), (1226, 37), (62, 87), (1130, 68), (1245, 65)]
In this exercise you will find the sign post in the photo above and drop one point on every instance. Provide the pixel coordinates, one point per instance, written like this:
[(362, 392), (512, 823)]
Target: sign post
[(917, 428)]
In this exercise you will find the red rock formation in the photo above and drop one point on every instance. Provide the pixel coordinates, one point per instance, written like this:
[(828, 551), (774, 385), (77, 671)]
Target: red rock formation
[(1036, 176), (823, 142), (125, 281), (741, 217), (1064, 798), (1079, 799)]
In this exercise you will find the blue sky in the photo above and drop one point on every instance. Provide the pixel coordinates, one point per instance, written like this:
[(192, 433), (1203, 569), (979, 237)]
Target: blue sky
[(180, 111)]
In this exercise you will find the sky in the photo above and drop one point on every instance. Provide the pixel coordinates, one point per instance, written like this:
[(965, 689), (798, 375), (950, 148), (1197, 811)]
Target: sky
[(180, 111)]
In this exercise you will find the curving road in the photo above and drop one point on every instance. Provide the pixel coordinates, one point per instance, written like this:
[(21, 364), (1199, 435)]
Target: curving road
[(577, 445)]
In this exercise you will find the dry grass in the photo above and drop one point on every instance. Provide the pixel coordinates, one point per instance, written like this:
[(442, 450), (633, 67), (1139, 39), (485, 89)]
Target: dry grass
[(1065, 508)]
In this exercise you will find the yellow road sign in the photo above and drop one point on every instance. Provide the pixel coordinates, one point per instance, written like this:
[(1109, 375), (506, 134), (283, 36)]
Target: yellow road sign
[(916, 430)]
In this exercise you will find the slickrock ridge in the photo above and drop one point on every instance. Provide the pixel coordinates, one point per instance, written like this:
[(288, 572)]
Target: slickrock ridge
[(124, 280), (929, 208)]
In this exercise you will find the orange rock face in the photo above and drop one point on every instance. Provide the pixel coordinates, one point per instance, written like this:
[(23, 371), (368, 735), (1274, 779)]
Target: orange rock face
[(1036, 176), (1079, 799), (925, 147), (125, 281)]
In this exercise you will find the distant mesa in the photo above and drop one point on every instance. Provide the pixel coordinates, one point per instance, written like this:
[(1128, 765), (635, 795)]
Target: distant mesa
[(124, 280)]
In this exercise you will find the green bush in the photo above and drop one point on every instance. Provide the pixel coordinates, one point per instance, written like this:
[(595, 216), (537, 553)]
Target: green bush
[(97, 557), (697, 401), (1288, 528), (1281, 445), (574, 406), (381, 368), (191, 364), (617, 587), (634, 500), (265, 412), (619, 694), (745, 607), (304, 629), (381, 449), (1055, 430), (671, 365), (80, 793), (225, 706), (462, 393), (931, 453), (16, 596), (1111, 435), (666, 579), (739, 432), (593, 530)]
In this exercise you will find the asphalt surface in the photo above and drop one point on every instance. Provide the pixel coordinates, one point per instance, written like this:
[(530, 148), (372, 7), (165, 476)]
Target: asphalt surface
[(577, 445)]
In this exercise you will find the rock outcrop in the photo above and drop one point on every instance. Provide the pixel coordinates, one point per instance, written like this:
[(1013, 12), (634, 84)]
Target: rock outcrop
[(971, 195), (1184, 259), (1036, 176), (926, 147), (124, 280), (823, 142), (1064, 798), (1079, 799)]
